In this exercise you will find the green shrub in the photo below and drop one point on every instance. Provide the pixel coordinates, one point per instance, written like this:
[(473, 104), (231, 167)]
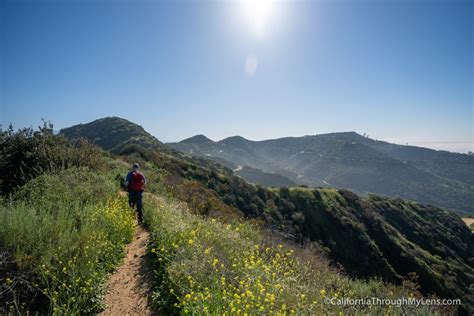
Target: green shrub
[(26, 153)]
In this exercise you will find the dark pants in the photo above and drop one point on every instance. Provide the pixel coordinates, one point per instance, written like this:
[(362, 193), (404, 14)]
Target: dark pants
[(136, 199)]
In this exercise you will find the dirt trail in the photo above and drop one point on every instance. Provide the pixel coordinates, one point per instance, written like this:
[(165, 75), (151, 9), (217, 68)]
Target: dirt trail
[(128, 289)]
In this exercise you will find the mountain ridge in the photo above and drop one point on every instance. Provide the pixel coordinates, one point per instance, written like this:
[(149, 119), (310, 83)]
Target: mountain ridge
[(352, 161), (347, 133)]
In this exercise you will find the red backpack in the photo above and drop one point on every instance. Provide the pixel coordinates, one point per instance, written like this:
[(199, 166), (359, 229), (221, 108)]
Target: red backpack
[(137, 182)]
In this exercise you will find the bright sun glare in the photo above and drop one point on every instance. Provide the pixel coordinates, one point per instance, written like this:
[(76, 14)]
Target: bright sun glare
[(257, 13)]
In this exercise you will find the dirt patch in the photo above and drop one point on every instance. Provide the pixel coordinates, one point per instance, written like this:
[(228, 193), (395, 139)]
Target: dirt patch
[(468, 221), (128, 289)]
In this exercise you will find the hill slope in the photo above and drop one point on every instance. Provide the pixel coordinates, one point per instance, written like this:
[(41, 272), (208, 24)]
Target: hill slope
[(368, 236), (245, 271), (351, 161), (112, 133), (260, 177)]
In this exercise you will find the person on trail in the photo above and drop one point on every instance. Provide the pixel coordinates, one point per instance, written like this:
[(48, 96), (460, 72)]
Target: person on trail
[(135, 183)]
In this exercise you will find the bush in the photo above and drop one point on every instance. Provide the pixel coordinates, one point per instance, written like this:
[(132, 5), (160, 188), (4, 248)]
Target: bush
[(27, 153)]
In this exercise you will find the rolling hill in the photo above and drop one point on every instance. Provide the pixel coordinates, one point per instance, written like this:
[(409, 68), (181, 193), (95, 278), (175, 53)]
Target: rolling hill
[(112, 133), (368, 236), (351, 161)]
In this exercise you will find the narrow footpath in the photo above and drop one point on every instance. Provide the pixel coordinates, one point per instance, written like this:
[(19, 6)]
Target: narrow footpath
[(128, 289)]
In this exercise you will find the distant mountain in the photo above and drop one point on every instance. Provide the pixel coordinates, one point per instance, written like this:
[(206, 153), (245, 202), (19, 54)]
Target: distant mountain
[(351, 161), (112, 133), (198, 140)]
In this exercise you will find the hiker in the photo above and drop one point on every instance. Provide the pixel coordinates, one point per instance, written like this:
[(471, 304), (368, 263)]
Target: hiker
[(135, 183)]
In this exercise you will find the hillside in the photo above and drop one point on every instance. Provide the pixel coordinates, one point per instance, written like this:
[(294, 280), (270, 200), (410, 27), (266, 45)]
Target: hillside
[(211, 267), (266, 179), (369, 236), (351, 161), (112, 133)]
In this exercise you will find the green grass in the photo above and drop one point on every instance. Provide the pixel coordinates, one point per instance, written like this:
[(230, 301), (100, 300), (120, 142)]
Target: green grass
[(205, 266), (67, 231)]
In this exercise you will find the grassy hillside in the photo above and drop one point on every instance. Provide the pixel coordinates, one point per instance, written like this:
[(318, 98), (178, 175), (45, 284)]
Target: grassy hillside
[(365, 235), (351, 161), (60, 236), (112, 133), (206, 266), (62, 224), (370, 237)]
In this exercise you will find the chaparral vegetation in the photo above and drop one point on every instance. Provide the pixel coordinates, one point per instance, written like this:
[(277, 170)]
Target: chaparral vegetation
[(218, 244)]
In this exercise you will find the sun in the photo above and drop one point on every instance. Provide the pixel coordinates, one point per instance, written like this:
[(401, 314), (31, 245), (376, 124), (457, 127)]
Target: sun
[(257, 13)]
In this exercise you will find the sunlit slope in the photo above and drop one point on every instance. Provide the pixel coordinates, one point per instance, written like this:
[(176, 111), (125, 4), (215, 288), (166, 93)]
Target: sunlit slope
[(209, 266)]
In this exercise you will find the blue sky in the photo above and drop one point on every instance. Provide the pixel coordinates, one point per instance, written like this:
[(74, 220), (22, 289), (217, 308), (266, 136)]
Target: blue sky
[(397, 70)]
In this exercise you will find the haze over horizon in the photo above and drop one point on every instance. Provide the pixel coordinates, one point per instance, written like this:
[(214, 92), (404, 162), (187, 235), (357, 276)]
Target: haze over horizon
[(399, 71)]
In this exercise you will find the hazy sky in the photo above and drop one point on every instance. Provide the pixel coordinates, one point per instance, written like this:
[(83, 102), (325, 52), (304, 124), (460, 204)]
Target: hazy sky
[(399, 70)]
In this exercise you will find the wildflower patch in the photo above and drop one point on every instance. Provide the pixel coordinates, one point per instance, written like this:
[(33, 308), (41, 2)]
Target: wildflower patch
[(204, 266)]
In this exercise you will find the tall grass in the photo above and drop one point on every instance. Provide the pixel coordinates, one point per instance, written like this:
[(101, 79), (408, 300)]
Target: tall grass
[(68, 231), (204, 266)]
